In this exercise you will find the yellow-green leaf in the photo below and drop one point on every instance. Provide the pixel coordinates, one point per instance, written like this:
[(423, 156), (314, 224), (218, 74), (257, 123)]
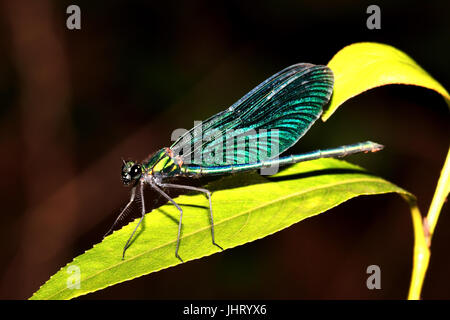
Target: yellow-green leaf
[(367, 65), (246, 207)]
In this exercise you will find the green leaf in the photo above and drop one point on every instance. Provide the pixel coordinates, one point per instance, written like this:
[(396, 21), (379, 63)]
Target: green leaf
[(246, 207), (367, 65)]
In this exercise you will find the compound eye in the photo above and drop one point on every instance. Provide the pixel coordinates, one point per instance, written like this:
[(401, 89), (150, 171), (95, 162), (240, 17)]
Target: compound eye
[(135, 170)]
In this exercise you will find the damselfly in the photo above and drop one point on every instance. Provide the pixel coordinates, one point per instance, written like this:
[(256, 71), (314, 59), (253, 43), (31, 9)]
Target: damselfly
[(275, 115)]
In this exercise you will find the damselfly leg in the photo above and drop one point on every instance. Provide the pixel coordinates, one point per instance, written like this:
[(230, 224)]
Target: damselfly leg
[(208, 194), (141, 190), (122, 213), (165, 195)]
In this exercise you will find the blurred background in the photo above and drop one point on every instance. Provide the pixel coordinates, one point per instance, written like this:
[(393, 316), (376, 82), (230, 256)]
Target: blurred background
[(74, 102)]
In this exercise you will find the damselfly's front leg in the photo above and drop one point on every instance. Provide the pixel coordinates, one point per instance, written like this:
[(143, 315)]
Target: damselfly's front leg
[(133, 193)]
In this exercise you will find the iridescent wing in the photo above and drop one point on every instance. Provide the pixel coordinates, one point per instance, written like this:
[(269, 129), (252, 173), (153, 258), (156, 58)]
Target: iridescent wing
[(262, 124)]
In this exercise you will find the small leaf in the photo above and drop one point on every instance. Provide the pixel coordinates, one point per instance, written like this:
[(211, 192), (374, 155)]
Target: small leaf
[(246, 207), (367, 65)]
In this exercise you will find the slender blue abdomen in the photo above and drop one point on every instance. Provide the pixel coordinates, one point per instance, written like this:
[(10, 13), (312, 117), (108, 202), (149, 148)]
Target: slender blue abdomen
[(342, 151)]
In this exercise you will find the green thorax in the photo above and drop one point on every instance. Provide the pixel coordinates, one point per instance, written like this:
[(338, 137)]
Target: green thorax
[(162, 163)]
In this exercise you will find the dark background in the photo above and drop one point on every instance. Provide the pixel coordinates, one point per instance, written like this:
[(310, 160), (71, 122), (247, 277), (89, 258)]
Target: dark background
[(72, 103)]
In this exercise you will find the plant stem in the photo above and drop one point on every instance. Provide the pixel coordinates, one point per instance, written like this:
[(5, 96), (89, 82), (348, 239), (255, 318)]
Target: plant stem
[(424, 229), (442, 190), (421, 253)]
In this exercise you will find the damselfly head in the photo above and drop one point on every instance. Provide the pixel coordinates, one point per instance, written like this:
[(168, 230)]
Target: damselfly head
[(131, 171)]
